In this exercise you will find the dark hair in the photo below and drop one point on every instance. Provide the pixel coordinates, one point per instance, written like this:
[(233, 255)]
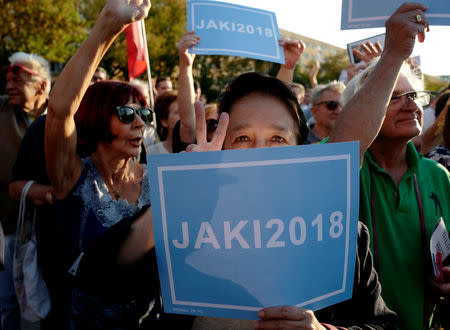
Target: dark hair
[(97, 108), (160, 79), (254, 82), (162, 105), (440, 103)]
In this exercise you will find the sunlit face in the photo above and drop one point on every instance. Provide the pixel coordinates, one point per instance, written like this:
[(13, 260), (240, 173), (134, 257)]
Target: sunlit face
[(259, 121), (164, 86), (173, 117), (404, 120), (326, 118), (22, 90), (128, 137)]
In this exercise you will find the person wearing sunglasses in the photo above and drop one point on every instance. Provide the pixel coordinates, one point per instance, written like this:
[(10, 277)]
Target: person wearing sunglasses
[(106, 193), (402, 196), (27, 87), (325, 110)]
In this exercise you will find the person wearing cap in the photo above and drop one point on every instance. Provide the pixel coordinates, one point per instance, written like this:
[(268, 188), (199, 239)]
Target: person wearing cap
[(27, 90)]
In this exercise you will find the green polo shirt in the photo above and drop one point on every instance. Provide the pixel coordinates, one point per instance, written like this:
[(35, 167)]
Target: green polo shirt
[(398, 228)]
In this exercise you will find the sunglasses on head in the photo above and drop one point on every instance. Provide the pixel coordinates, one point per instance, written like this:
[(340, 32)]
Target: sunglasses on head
[(17, 69), (331, 105), (211, 125), (127, 114)]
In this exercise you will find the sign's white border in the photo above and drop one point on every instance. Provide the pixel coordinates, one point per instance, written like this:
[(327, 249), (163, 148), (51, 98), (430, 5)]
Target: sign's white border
[(163, 169), (196, 48), (379, 18)]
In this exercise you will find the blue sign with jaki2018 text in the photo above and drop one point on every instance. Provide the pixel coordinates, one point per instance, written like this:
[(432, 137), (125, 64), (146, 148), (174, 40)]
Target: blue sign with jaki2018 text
[(359, 14), (228, 29), (239, 230)]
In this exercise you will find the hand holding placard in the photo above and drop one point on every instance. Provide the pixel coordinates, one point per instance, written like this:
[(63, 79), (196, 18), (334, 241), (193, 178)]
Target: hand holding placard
[(402, 29)]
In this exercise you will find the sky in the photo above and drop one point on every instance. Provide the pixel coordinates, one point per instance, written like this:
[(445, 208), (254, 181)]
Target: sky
[(321, 20)]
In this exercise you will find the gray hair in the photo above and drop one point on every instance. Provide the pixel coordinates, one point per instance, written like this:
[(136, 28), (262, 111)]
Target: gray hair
[(414, 75), (317, 92), (36, 64)]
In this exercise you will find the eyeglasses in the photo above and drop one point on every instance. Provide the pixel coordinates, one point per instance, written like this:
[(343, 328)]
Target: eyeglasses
[(331, 105), (421, 98), (211, 125), (17, 69), (127, 114)]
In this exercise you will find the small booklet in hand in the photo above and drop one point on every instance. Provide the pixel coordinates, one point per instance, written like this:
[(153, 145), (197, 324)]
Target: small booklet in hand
[(439, 248)]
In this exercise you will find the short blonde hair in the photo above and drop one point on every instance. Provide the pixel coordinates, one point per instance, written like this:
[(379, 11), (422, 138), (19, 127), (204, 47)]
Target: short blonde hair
[(35, 63)]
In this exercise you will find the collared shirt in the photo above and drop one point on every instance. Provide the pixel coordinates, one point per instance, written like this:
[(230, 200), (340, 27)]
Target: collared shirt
[(398, 228)]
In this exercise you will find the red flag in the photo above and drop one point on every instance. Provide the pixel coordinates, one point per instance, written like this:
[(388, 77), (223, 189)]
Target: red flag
[(136, 49)]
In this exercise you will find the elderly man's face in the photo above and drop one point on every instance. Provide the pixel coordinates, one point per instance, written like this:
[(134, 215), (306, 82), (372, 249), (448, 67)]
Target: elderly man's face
[(403, 117), (22, 90), (327, 110)]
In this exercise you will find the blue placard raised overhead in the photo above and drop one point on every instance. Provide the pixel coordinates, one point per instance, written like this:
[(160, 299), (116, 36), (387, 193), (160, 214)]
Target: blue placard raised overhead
[(239, 230), (359, 14), (227, 29)]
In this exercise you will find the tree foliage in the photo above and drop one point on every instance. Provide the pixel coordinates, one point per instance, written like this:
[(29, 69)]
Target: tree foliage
[(50, 28), (55, 29)]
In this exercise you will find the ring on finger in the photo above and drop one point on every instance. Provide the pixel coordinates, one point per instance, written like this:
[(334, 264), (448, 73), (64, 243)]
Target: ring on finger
[(419, 19)]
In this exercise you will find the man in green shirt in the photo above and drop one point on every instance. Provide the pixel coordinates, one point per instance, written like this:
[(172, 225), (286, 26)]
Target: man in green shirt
[(396, 184)]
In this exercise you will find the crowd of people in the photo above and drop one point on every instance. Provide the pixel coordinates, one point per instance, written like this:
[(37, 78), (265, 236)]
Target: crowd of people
[(84, 144)]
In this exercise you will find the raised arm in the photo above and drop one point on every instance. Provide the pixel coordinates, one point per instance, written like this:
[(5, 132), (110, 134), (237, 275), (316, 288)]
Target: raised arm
[(63, 163), (293, 49), (186, 93), (362, 117), (313, 74)]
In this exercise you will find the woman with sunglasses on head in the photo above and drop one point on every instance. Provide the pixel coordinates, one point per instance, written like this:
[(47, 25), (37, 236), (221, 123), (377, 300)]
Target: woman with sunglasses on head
[(103, 200)]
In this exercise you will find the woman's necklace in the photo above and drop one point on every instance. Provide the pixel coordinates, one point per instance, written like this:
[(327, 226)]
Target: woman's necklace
[(111, 189), (114, 193)]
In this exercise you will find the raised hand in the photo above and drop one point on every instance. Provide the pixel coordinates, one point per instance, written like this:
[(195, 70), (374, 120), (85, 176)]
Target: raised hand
[(287, 317), (368, 51), (293, 49), (313, 73), (402, 27), (216, 142), (188, 40), (124, 12)]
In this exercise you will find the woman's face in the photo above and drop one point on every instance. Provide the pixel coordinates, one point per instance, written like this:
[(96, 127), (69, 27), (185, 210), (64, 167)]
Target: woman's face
[(173, 117), (259, 121), (128, 136)]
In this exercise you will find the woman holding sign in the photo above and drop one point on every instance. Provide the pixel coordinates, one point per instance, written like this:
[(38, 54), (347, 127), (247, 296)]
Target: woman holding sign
[(254, 114)]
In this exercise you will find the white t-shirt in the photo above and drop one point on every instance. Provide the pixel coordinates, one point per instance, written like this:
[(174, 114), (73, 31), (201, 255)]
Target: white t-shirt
[(157, 148)]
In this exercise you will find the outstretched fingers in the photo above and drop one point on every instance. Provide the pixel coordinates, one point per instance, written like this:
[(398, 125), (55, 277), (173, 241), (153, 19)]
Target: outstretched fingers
[(221, 131), (200, 123)]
